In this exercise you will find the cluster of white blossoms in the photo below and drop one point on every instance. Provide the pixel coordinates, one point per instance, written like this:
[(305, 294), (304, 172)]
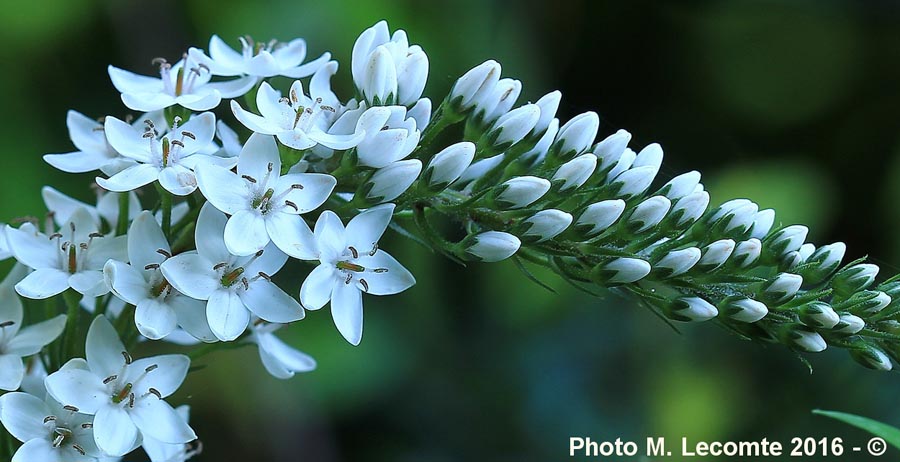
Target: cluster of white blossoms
[(231, 191)]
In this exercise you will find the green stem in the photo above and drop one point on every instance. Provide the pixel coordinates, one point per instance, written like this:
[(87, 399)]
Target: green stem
[(212, 347), (165, 198), (71, 348), (122, 222)]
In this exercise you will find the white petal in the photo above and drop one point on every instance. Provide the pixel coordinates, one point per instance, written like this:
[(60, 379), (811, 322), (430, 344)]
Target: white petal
[(63, 206), (126, 282), (233, 88), (156, 419), (290, 54), (330, 235), (292, 235), (32, 249), (38, 450), (307, 69), (395, 280), (225, 190), (33, 338), (297, 139), (203, 127), (210, 234), (270, 303), (347, 311), (270, 262), (148, 102), (129, 82), (12, 371), (127, 140), (23, 415), (192, 275), (89, 283), (78, 161), (245, 233), (366, 229), (281, 360), (103, 348), (178, 180), (227, 315), (154, 320), (130, 179), (226, 57), (43, 283), (192, 317), (339, 142), (114, 432), (317, 187), (316, 289), (258, 153), (145, 237), (254, 122), (79, 388), (165, 378), (105, 248)]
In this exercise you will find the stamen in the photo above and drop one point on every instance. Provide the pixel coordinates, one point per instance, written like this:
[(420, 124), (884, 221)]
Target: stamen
[(374, 250), (155, 392), (246, 283), (177, 143), (58, 441), (219, 266), (151, 266), (364, 284), (164, 253), (296, 186), (109, 379), (87, 425), (70, 408), (83, 246), (265, 276), (127, 357), (294, 97), (284, 100), (354, 252), (50, 418), (95, 235), (380, 270), (79, 449), (151, 368), (55, 236), (349, 278), (159, 61), (131, 400), (292, 205), (249, 178), (5, 324), (270, 166)]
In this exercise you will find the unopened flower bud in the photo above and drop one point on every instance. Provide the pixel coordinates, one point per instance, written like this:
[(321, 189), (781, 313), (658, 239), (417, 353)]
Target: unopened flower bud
[(548, 103), (786, 240), (546, 224), (475, 85), (853, 279), (677, 262), (743, 309), (380, 81), (690, 208), (412, 74), (513, 126), (421, 113), (869, 356), (762, 224), (576, 135), (741, 218), (599, 216), (611, 148), (849, 324), (690, 309), (803, 338), (575, 172), (726, 208), (479, 168), (681, 185), (499, 101), (806, 251), (390, 182), (648, 214), (446, 166), (621, 271), (790, 260), (522, 191), (622, 164), (781, 289), (867, 302), (746, 253), (540, 149), (819, 315), (823, 262), (650, 156), (634, 182), (715, 254), (492, 246)]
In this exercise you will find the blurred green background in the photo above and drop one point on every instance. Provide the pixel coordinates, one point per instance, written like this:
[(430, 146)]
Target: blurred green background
[(792, 104)]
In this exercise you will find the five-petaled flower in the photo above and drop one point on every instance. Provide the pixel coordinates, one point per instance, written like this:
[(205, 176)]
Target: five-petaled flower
[(258, 59)]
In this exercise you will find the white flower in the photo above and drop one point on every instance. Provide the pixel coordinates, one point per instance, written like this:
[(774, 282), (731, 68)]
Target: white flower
[(575, 172), (390, 182), (853, 279), (233, 286), (783, 287), (513, 126), (634, 181), (421, 112), (391, 134), (745, 310), (258, 59), (548, 103), (73, 257), (50, 432), (715, 254), (446, 166), (610, 150), (746, 253), (62, 206), (170, 159), (126, 397), (167, 452), (819, 315), (94, 151), (158, 307), (807, 340), (678, 262), (787, 240), (546, 224), (690, 208), (763, 223), (499, 101), (475, 85), (600, 215), (350, 264), (493, 246), (299, 121), (691, 309), (16, 342), (186, 84), (624, 270), (386, 69), (681, 185), (280, 359), (264, 205), (577, 135), (648, 213)]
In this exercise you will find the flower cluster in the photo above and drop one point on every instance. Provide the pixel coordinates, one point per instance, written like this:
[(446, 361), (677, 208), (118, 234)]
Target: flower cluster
[(231, 191)]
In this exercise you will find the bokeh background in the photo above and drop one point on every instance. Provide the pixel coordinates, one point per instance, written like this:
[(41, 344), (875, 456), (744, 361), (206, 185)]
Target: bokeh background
[(790, 103)]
